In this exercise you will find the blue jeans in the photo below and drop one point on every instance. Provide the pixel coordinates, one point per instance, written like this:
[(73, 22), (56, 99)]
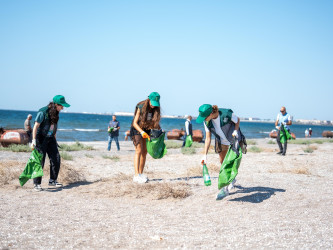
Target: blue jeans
[(115, 138)]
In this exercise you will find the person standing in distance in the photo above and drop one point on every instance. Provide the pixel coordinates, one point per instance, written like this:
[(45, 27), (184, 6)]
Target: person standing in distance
[(147, 116), (115, 132), (44, 138), (283, 118), (188, 128), (27, 126)]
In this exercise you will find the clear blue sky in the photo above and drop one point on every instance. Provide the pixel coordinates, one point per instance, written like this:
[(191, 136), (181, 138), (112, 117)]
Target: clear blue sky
[(105, 56)]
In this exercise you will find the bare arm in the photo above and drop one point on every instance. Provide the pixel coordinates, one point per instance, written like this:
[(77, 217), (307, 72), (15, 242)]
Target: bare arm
[(237, 124), (34, 131), (207, 142), (136, 120)]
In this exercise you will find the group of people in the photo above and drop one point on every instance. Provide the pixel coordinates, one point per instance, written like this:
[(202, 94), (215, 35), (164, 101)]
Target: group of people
[(220, 122)]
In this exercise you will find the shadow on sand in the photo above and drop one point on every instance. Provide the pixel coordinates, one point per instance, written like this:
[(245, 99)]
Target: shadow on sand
[(70, 186), (256, 194)]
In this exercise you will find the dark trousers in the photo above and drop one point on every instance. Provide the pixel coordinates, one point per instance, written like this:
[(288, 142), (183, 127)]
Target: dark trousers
[(51, 149), (283, 149)]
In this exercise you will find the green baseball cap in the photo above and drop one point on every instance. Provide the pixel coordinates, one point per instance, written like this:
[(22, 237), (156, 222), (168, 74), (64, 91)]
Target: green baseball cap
[(60, 99), (154, 98), (204, 111)]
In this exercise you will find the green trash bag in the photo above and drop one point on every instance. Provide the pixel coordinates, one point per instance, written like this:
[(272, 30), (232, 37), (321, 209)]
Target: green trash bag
[(156, 146), (189, 141), (33, 169), (230, 165), (284, 135)]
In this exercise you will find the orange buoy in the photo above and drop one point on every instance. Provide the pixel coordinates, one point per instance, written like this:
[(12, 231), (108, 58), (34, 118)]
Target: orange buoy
[(174, 135), (273, 134), (327, 133), (18, 136), (197, 135)]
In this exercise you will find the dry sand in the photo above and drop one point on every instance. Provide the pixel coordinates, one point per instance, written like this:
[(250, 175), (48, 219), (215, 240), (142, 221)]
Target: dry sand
[(278, 202)]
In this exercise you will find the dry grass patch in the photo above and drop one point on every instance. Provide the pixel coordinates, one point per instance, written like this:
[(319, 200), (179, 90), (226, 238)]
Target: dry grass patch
[(122, 186), (10, 171), (300, 170), (68, 175), (297, 170), (197, 171)]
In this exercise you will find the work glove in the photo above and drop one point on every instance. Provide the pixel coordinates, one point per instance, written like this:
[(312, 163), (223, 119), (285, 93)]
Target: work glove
[(33, 144), (145, 135), (204, 159), (115, 129), (277, 127), (235, 134)]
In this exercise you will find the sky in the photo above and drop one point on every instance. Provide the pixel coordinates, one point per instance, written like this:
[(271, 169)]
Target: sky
[(106, 56)]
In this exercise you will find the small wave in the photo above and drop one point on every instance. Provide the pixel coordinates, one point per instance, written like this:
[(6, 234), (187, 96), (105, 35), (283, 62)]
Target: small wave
[(65, 129), (87, 130), (263, 132)]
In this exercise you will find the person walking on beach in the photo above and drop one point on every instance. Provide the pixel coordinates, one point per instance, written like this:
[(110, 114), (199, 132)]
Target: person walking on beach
[(44, 138), (147, 116), (114, 134), (224, 125), (283, 118), (27, 126), (188, 128), (310, 132), (306, 133)]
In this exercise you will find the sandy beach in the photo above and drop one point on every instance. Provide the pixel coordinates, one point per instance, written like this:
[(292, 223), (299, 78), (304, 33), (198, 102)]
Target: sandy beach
[(278, 202)]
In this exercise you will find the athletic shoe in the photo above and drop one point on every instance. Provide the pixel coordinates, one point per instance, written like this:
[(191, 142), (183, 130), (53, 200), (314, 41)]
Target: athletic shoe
[(279, 153), (144, 177), (231, 185), (38, 188), (136, 178), (223, 193), (55, 184)]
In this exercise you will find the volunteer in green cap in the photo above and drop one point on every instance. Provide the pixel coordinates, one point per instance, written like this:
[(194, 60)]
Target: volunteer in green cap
[(44, 138), (147, 116), (224, 125)]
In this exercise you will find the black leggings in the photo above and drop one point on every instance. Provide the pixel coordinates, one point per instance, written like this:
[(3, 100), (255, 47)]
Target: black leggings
[(50, 148)]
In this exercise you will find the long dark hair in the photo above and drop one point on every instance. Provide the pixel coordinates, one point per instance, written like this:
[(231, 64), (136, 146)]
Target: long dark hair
[(53, 113), (154, 123)]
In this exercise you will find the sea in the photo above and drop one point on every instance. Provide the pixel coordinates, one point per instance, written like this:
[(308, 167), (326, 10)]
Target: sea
[(93, 127)]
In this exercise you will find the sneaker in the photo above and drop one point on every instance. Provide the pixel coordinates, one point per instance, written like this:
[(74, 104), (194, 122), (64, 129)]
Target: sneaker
[(223, 193), (142, 179), (136, 178), (279, 153), (143, 176), (231, 185), (38, 188), (55, 184)]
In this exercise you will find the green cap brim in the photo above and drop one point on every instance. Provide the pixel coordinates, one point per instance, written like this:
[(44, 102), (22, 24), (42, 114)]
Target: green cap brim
[(200, 119), (155, 103), (65, 105)]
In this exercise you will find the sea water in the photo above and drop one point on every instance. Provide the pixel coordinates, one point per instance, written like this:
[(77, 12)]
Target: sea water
[(93, 127)]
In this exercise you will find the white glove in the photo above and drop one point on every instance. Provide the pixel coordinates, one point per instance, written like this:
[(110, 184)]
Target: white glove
[(235, 134), (277, 127), (115, 129), (204, 159), (33, 144)]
